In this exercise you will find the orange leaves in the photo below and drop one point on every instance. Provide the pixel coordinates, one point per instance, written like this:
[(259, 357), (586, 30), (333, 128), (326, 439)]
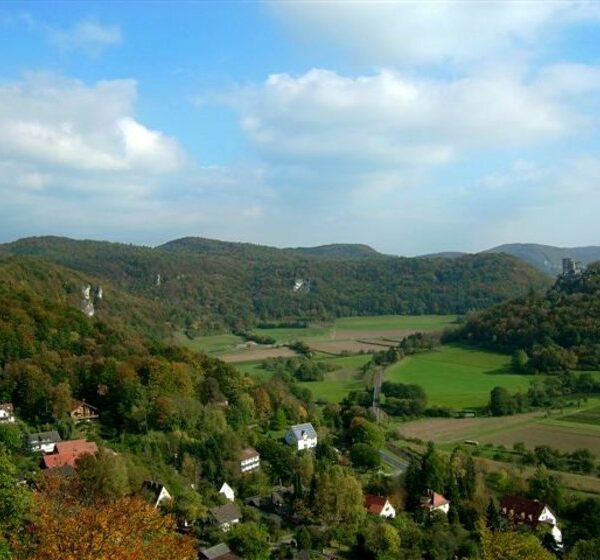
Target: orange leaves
[(124, 529)]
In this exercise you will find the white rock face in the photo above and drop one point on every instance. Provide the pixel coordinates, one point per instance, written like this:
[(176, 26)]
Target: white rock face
[(298, 284), (85, 292), (87, 307)]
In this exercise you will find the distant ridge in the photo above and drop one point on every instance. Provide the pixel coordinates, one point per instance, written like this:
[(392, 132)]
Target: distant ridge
[(443, 255), (216, 247), (339, 251), (547, 258)]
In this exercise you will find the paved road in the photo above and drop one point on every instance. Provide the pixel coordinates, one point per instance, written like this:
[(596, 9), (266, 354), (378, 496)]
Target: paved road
[(399, 464)]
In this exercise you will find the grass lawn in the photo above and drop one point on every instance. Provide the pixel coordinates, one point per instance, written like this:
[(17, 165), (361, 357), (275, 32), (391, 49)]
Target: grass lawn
[(416, 322), (456, 376)]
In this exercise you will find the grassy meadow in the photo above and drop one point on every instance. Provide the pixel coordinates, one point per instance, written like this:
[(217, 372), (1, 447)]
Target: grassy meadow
[(457, 376)]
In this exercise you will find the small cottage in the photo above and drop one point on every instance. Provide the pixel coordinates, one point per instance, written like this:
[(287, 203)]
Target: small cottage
[(227, 492), (82, 411), (225, 516), (530, 512), (43, 441), (158, 493), (7, 413), (432, 501), (218, 552), (302, 436), (249, 460), (379, 505)]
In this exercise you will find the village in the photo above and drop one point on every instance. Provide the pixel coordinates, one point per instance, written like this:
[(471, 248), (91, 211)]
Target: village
[(60, 458)]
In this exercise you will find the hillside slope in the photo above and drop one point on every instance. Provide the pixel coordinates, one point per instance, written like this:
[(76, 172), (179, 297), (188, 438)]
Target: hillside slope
[(557, 331), (208, 284), (53, 283)]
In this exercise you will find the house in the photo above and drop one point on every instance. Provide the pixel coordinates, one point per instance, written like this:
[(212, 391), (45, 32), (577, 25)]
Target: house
[(379, 505), (530, 512), (432, 501), (303, 436), (227, 492), (43, 441), (81, 411), (7, 413), (249, 460), (66, 453), (225, 516), (158, 493), (218, 552)]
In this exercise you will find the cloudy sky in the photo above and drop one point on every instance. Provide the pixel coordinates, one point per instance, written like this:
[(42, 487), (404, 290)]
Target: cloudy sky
[(413, 127)]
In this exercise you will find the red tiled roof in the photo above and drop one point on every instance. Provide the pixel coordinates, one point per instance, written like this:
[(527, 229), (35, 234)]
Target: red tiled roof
[(433, 500), (521, 509), (375, 504), (67, 452)]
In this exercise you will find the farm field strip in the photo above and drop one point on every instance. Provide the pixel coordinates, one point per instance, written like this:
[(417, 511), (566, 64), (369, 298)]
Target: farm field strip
[(589, 416), (533, 429)]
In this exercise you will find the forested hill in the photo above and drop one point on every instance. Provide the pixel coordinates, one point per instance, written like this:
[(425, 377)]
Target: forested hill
[(339, 251), (252, 251), (58, 285), (553, 332), (237, 284)]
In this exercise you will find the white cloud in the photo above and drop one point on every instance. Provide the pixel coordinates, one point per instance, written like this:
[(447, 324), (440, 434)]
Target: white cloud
[(55, 122), (89, 36), (401, 32), (389, 120)]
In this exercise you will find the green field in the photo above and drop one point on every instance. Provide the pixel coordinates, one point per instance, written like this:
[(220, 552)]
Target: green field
[(458, 377), (346, 328), (337, 384), (412, 322)]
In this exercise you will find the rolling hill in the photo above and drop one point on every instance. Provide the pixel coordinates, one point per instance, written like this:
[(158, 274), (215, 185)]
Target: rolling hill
[(203, 284)]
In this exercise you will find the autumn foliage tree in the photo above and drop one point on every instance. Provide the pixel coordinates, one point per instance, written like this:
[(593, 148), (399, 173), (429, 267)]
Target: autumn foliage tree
[(510, 545), (127, 528)]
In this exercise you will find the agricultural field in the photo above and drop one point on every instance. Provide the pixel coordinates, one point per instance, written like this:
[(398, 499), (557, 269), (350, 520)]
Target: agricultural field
[(338, 383), (588, 416), (458, 377), (532, 429), (349, 334)]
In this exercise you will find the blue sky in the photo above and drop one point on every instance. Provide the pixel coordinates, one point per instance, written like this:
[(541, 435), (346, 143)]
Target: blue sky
[(413, 127)]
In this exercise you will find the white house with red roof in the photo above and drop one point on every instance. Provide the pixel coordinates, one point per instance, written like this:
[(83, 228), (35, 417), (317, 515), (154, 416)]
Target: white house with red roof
[(379, 505), (530, 512), (432, 501)]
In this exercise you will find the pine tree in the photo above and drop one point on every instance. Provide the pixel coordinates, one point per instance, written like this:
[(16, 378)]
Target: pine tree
[(492, 515)]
